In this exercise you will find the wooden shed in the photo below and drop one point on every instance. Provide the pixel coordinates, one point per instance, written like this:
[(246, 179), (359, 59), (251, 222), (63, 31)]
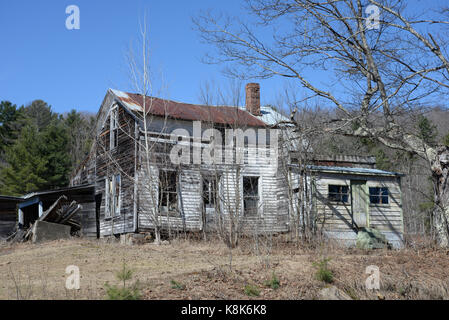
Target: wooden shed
[(8, 215), (33, 205), (347, 199)]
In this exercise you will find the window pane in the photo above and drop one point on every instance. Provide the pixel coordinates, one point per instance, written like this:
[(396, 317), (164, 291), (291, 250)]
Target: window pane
[(374, 199), (250, 185), (378, 195), (333, 189), (168, 195), (338, 193), (250, 195)]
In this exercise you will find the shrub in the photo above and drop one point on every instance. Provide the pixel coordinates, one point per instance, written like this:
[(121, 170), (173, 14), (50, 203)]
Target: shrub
[(114, 292), (273, 283), (324, 273), (122, 293), (251, 290), (177, 285)]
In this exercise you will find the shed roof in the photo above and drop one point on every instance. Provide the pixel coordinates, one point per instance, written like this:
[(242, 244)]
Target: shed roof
[(361, 171), (185, 111), (86, 188)]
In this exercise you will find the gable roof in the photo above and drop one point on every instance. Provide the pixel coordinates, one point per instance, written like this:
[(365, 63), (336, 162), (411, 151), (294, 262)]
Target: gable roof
[(185, 111)]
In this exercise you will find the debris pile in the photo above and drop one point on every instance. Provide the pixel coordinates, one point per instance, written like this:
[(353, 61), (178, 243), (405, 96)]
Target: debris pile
[(60, 212)]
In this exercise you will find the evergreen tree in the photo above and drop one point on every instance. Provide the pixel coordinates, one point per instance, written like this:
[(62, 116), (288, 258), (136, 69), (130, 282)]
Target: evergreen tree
[(25, 171), (11, 122), (40, 114), (427, 130), (39, 158), (54, 149)]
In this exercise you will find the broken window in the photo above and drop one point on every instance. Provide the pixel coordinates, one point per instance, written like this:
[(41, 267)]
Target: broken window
[(112, 199), (113, 137), (117, 187), (250, 195), (168, 195), (210, 187), (338, 193), (378, 195)]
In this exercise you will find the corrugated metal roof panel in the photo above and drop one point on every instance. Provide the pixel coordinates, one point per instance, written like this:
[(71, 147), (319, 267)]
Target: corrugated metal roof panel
[(185, 111), (368, 171), (270, 116)]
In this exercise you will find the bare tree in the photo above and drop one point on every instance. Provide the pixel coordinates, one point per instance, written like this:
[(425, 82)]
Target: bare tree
[(379, 62), (224, 177)]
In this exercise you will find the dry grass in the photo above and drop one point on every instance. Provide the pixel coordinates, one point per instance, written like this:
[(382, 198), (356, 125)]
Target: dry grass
[(208, 270)]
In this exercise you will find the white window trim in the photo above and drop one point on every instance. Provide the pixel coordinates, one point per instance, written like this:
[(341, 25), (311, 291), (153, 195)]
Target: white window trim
[(259, 193)]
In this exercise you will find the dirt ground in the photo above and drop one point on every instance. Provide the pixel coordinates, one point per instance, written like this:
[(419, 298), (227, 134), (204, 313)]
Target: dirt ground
[(208, 270)]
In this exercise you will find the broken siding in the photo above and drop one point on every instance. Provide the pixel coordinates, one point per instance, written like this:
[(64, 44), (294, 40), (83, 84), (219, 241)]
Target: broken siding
[(8, 215), (269, 218), (336, 219), (121, 161)]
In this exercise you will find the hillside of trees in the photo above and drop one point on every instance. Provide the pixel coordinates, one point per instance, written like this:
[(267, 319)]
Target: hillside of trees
[(39, 147)]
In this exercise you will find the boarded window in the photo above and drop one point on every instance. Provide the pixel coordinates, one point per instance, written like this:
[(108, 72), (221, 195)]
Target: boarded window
[(338, 193), (168, 195), (210, 185), (378, 195), (113, 137), (250, 195)]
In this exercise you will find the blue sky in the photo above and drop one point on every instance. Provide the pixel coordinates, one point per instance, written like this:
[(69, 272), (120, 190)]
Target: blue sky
[(72, 69), (41, 59)]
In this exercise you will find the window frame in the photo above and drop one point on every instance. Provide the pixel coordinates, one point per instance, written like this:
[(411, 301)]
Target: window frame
[(251, 197), (212, 193), (162, 193), (340, 194), (379, 194)]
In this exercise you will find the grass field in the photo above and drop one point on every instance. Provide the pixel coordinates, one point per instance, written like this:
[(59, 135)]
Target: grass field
[(191, 269)]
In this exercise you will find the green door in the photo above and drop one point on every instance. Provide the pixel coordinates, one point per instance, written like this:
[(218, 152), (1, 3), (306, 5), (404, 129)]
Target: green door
[(359, 196)]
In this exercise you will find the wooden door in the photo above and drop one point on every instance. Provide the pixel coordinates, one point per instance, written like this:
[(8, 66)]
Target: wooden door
[(359, 196)]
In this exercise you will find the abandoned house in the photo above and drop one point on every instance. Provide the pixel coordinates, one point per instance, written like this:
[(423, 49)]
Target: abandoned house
[(157, 161), (131, 167)]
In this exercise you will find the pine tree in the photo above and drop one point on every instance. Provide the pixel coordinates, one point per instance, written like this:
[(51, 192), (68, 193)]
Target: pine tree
[(26, 168), (40, 114), (11, 122), (54, 149), (427, 130), (39, 158)]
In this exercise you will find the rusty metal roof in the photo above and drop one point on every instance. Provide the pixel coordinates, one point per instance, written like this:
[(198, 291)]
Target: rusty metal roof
[(186, 111)]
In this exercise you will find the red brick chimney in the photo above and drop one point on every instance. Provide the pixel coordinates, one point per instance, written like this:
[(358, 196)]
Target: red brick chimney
[(253, 98)]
